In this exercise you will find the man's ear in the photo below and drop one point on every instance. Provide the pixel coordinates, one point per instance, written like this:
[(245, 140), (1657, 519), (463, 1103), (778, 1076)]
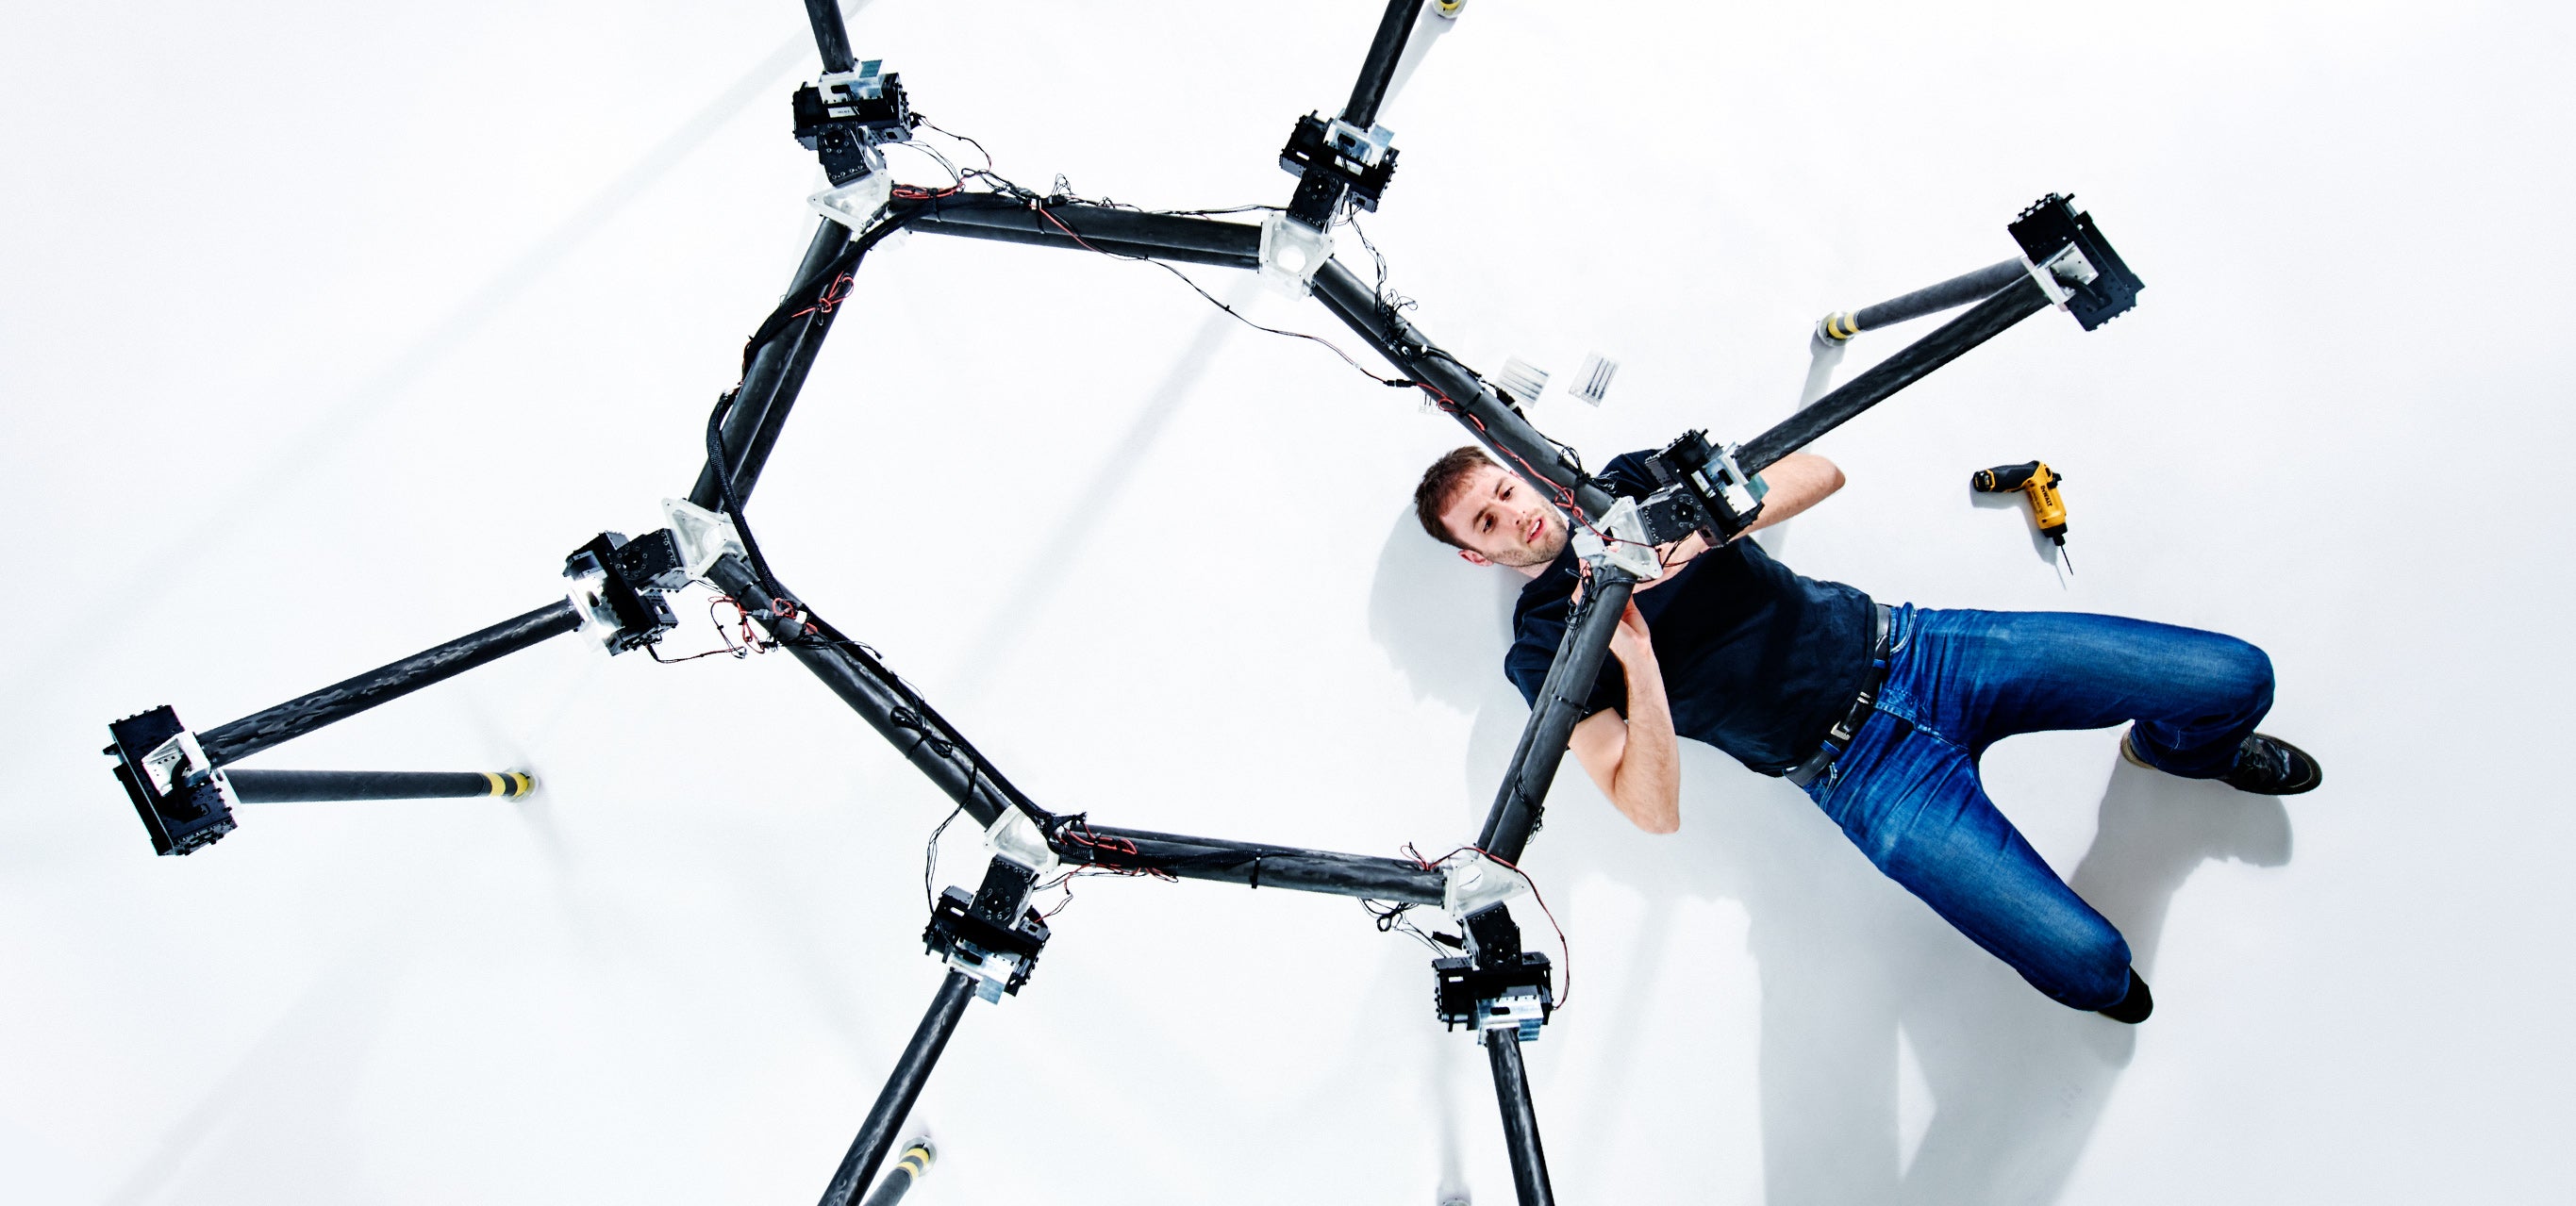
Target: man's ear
[(1472, 557)]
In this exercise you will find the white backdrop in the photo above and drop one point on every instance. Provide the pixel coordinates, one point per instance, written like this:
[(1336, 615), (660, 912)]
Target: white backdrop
[(326, 330)]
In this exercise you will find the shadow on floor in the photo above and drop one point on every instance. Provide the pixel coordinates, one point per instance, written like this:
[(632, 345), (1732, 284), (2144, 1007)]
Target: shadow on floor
[(1855, 973)]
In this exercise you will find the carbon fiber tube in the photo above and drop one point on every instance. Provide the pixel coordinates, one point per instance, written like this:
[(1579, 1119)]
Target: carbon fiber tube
[(912, 726), (1520, 446), (341, 700), (770, 384), (1520, 1118), (1258, 866), (1932, 299), (1378, 69), (902, 1088), (873, 692), (1561, 696), (831, 37), (296, 786), (1177, 237), (1516, 444), (787, 384), (1990, 318), (913, 1166)]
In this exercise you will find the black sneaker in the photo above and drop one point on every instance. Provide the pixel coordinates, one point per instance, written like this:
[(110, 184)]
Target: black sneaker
[(2269, 766), (2134, 1007)]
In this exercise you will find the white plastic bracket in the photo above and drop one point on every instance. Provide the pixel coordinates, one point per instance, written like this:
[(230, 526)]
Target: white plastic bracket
[(705, 536), (1015, 837), (1292, 253), (1472, 881), (2067, 267), (1626, 549), (857, 203), (1363, 147), (171, 763)]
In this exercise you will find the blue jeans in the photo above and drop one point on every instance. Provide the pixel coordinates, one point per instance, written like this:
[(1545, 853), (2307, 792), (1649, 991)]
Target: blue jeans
[(1907, 791)]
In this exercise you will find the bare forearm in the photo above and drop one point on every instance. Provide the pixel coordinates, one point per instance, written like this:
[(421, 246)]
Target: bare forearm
[(1646, 786), (1797, 481)]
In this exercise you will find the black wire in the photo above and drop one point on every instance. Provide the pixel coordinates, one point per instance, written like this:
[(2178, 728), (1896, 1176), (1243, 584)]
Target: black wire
[(1329, 345), (930, 861), (979, 147), (733, 504), (812, 301), (933, 732), (936, 157), (1391, 919), (944, 742), (1063, 193)]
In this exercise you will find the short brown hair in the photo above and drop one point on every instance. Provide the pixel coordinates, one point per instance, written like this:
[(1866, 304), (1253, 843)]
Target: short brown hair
[(1440, 485)]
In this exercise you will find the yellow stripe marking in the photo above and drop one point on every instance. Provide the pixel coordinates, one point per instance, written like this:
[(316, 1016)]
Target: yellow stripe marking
[(498, 787)]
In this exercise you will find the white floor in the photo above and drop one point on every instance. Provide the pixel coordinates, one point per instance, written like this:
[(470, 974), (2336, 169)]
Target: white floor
[(326, 330)]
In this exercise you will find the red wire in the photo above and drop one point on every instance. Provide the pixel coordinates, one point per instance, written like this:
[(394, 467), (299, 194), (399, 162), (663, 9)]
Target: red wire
[(833, 295), (1564, 947)]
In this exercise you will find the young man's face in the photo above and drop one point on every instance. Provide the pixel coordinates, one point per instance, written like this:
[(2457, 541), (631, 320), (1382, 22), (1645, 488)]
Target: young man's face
[(1502, 521)]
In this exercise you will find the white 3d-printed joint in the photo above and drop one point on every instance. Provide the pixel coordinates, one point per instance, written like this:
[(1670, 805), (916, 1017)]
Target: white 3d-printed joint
[(705, 536), (1015, 837), (1472, 881), (1626, 547)]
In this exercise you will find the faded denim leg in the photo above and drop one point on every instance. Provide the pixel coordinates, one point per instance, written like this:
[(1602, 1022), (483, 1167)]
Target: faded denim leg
[(1912, 802), (1908, 792), (1977, 677)]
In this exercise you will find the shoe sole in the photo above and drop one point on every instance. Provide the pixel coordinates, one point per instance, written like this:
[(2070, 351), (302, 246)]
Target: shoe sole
[(2316, 772)]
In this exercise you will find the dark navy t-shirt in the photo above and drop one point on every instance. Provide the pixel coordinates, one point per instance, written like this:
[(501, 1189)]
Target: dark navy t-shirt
[(1757, 661)]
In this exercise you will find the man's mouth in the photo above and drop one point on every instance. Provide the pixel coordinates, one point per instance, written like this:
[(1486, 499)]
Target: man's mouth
[(1537, 525)]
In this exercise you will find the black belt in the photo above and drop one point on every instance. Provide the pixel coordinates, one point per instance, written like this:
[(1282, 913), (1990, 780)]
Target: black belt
[(1838, 738)]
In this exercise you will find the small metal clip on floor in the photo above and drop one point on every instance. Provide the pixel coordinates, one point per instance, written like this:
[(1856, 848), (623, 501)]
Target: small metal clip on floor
[(184, 785)]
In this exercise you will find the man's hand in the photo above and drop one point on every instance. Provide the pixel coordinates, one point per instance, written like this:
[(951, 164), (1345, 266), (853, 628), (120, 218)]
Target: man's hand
[(1630, 642), (1634, 761), (1676, 555), (1798, 481)]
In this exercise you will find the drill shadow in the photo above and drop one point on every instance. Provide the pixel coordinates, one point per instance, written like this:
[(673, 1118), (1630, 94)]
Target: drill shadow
[(2016, 501)]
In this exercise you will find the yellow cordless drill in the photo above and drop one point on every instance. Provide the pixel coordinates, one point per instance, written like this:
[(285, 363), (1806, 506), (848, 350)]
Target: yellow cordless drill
[(2039, 485)]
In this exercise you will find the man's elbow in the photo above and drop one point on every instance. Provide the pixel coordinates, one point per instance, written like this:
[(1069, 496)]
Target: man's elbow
[(1657, 821), (1829, 477)]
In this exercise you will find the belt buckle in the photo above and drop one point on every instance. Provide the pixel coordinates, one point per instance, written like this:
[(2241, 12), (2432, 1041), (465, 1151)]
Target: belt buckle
[(1845, 727)]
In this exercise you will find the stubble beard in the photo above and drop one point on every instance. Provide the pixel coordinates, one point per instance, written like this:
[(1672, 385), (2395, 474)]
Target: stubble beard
[(1551, 542)]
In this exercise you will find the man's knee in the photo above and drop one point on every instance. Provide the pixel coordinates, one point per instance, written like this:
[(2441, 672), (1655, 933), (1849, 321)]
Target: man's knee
[(2248, 665), (2235, 672), (2089, 968)]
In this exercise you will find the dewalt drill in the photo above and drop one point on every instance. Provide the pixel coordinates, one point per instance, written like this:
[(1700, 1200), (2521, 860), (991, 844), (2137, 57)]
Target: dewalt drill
[(2039, 485)]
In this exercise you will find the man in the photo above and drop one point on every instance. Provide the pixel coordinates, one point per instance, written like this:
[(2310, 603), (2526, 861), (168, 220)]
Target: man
[(1879, 714)]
